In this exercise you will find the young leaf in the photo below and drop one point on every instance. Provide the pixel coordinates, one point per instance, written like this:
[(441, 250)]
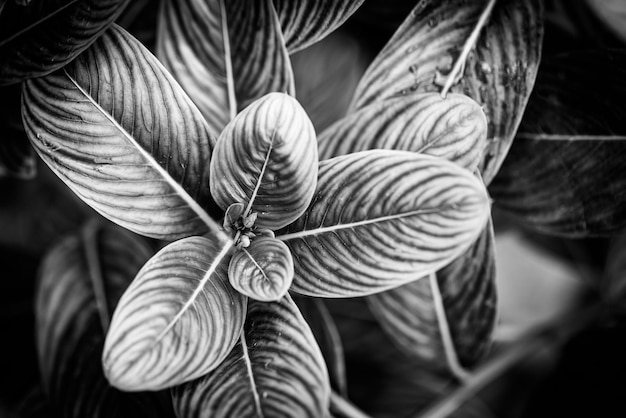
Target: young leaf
[(383, 218), (263, 271), (454, 128), (224, 53), (81, 280), (40, 37), (119, 131), (276, 370), (445, 319), (17, 157), (306, 22), (267, 158), (499, 74), (178, 319)]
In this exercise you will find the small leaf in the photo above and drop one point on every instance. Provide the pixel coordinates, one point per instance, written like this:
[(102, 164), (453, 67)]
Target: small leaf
[(454, 128), (383, 218), (81, 280), (267, 158), (276, 370), (101, 124), (17, 157), (177, 321), (224, 53), (43, 36), (263, 271), (499, 73)]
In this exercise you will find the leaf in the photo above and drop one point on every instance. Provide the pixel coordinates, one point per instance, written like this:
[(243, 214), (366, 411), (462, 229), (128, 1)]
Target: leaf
[(383, 218), (263, 271), (81, 280), (267, 158), (454, 128), (499, 74), (42, 36), (612, 13), (307, 22), (276, 370), (446, 319), (178, 320), (225, 54), (119, 131), (17, 158), (564, 175)]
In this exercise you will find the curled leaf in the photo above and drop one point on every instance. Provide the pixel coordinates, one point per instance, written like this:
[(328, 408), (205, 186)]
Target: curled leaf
[(267, 158), (178, 319), (263, 271)]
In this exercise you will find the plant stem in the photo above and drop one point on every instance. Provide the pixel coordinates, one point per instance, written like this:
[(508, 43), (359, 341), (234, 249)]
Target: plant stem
[(341, 407)]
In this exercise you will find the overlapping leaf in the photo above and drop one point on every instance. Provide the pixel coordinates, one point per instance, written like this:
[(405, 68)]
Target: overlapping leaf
[(565, 173), (17, 158), (119, 131), (454, 128), (498, 74), (225, 54), (81, 281), (39, 37), (276, 370), (178, 319), (267, 159), (383, 218)]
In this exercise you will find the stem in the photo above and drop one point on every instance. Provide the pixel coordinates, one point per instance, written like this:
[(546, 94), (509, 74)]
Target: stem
[(342, 407)]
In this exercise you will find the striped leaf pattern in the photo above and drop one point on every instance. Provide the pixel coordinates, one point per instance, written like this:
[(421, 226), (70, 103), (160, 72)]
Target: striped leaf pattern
[(39, 37), (178, 319), (81, 280), (382, 218), (454, 128), (225, 54), (276, 370), (119, 131), (267, 159), (499, 74), (447, 323), (306, 22)]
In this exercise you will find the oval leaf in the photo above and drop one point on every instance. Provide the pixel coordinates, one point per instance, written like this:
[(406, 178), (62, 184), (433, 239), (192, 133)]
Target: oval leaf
[(119, 131), (225, 54), (499, 73), (454, 128), (17, 157), (276, 370), (178, 319), (383, 218), (267, 158), (39, 37), (80, 283)]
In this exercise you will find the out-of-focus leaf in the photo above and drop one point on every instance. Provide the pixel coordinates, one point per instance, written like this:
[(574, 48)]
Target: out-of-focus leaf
[(267, 159), (383, 218), (499, 74), (276, 370), (307, 22), (81, 280), (565, 172), (454, 128), (17, 158), (612, 13), (448, 320), (613, 285), (224, 53), (178, 319), (119, 131), (40, 37)]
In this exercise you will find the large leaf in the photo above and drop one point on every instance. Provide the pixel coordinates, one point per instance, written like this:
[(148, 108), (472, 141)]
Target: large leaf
[(445, 319), (178, 319), (267, 159), (499, 72), (454, 128), (119, 131), (17, 158), (382, 218), (81, 281), (565, 172), (276, 370), (306, 22), (225, 53), (38, 37)]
